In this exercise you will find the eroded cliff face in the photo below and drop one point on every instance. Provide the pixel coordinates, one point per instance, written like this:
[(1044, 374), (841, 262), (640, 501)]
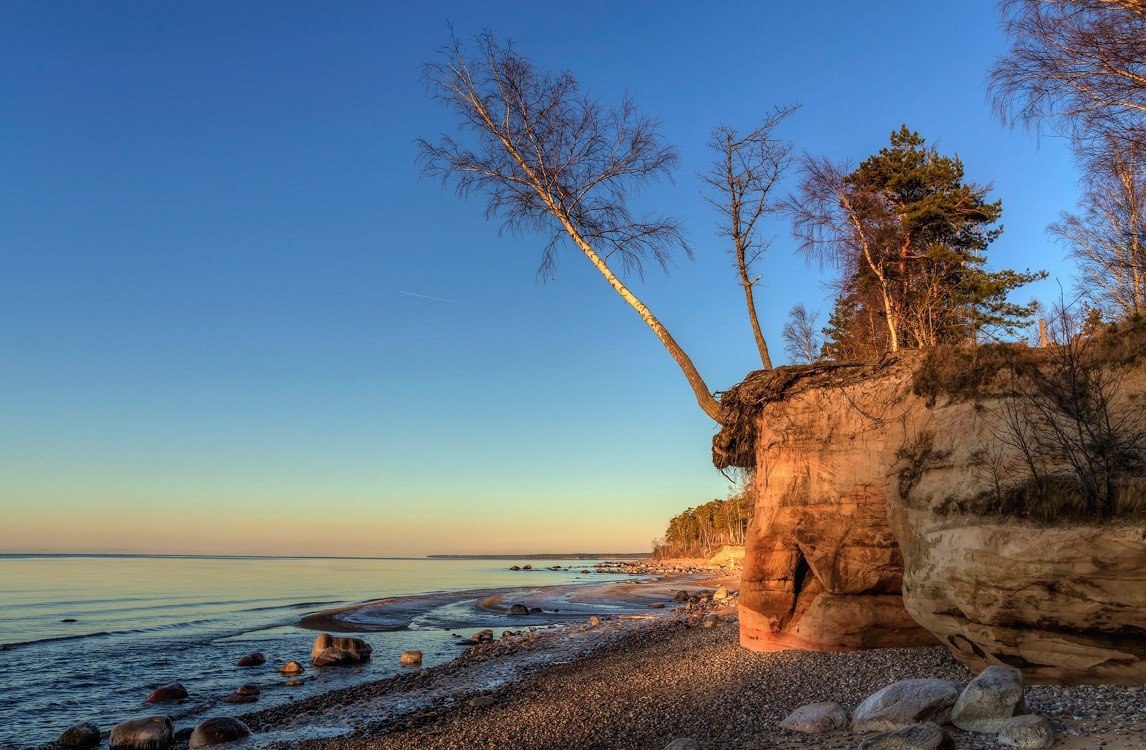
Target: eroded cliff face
[(857, 540)]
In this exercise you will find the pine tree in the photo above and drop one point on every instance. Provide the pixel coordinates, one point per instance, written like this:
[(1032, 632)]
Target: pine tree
[(925, 232)]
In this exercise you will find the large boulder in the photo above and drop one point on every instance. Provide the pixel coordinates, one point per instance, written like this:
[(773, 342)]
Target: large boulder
[(925, 736), (218, 730), (147, 733), (904, 703), (80, 736), (992, 698), (816, 718), (329, 651)]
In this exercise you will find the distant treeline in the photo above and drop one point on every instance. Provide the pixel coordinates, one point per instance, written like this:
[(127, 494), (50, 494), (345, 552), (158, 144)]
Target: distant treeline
[(701, 531), (548, 556)]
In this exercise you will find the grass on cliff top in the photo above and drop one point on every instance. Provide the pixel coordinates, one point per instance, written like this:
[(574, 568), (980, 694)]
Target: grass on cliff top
[(971, 373), (1060, 500)]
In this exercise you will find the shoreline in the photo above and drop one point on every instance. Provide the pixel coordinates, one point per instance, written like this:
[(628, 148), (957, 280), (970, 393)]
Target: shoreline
[(364, 712), (641, 684)]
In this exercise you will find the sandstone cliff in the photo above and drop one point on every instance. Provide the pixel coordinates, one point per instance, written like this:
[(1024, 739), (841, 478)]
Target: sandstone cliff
[(870, 527)]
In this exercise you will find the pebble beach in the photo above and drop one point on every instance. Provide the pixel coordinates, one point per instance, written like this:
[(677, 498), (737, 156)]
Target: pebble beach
[(666, 680)]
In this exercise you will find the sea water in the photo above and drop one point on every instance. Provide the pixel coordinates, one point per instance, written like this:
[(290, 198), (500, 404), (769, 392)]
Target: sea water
[(87, 637)]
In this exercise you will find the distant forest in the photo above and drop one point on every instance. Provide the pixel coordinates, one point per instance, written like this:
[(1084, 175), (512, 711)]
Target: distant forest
[(701, 531)]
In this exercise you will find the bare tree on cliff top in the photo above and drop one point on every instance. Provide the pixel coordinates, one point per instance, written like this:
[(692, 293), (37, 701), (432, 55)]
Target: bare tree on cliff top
[(1107, 235), (550, 158), (801, 339), (1078, 63), (747, 167)]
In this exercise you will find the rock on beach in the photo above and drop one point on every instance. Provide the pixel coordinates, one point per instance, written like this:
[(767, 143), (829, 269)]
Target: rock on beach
[(816, 718), (904, 703), (1029, 731), (925, 736), (993, 697)]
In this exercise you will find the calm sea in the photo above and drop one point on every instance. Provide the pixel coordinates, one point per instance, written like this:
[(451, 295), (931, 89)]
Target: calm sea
[(89, 636)]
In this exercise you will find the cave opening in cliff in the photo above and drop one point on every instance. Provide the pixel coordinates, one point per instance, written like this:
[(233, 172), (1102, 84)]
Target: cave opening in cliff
[(800, 576)]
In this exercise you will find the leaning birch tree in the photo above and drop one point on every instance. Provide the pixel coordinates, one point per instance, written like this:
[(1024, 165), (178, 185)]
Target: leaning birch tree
[(549, 158)]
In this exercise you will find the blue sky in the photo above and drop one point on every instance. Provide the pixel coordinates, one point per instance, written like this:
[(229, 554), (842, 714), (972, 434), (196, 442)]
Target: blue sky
[(213, 224)]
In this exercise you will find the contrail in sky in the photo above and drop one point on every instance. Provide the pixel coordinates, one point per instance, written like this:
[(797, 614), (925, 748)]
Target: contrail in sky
[(426, 296)]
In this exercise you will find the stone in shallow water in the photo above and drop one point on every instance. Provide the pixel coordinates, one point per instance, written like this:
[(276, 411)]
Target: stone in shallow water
[(329, 651), (253, 659), (411, 658), (904, 703), (291, 667), (167, 693), (216, 731), (994, 696), (148, 733), (1030, 731), (80, 735), (926, 736), (519, 609), (816, 718)]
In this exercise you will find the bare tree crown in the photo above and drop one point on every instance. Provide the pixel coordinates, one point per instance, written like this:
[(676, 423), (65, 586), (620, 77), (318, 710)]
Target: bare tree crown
[(1077, 64), (543, 152)]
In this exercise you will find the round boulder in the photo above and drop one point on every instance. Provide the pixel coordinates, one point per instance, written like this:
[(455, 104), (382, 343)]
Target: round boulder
[(216, 731), (80, 735), (519, 609), (148, 733), (816, 718), (994, 696), (168, 693), (1030, 731), (411, 658)]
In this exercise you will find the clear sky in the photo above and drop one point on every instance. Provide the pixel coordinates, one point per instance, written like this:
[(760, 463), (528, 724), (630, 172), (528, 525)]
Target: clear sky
[(212, 229)]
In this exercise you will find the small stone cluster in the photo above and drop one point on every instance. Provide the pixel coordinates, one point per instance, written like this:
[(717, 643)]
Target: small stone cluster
[(158, 732)]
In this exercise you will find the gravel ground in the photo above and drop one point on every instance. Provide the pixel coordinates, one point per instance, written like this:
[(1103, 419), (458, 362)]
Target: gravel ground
[(645, 686)]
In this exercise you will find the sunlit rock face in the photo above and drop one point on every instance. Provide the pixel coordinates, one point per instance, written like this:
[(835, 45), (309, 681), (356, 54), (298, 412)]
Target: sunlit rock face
[(855, 544), (822, 568)]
